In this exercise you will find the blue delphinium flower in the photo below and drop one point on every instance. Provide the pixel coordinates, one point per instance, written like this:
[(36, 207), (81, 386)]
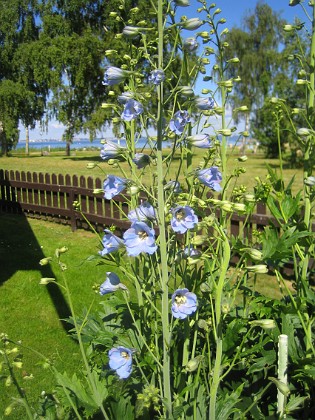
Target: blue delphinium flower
[(204, 103), (173, 186), (131, 110), (184, 303), (124, 97), (113, 76), (211, 177), (184, 218), (139, 238), (191, 252), (113, 185), (141, 160), (177, 124), (157, 77), (142, 213), (111, 151), (120, 360), (190, 44), (200, 140), (111, 243), (111, 284)]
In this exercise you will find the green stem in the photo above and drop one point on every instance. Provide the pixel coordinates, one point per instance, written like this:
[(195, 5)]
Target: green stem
[(226, 255), (162, 229)]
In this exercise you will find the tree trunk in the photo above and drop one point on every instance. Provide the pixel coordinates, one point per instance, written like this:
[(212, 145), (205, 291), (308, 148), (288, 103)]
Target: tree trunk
[(68, 144), (27, 140)]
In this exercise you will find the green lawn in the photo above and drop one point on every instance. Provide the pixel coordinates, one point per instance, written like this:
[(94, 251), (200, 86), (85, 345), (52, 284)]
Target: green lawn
[(31, 312), (76, 164)]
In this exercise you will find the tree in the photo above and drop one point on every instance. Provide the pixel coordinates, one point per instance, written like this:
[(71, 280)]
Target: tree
[(257, 46), (23, 84)]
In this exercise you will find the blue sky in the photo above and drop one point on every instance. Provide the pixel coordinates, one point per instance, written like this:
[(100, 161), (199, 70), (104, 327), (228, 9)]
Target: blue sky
[(232, 10)]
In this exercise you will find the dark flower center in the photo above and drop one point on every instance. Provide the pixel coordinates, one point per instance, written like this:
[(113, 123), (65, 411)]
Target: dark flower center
[(125, 355), (142, 234), (180, 300), (180, 215)]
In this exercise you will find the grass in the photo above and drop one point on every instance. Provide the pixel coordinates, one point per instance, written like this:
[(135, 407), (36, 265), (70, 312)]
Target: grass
[(76, 164), (31, 312)]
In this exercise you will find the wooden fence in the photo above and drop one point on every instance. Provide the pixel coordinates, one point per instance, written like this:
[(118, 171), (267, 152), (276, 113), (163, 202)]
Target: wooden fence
[(51, 197)]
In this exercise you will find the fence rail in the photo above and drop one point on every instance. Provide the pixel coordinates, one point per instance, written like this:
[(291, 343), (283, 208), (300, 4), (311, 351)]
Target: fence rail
[(51, 197)]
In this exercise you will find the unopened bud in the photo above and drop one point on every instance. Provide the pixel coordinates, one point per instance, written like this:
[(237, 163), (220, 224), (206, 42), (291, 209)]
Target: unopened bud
[(199, 240), (257, 269), (45, 261), (225, 131), (98, 191), (233, 60), (250, 198), (8, 410), (301, 82), (133, 190), (288, 28), (192, 24), (282, 386), (46, 280), (193, 364), (254, 254), (18, 365), (242, 158), (310, 181), (303, 132), (203, 325), (239, 207), (267, 324)]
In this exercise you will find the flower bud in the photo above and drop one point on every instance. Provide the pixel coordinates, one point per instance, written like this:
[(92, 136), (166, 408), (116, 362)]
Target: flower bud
[(8, 381), (282, 386), (217, 11), (131, 32), (46, 280), (303, 132), (242, 108), (257, 269), (205, 60), (91, 165), (192, 24), (205, 288), (199, 240), (98, 191), (301, 82), (242, 158), (250, 198), (239, 207), (134, 10), (193, 364), (266, 324), (187, 91), (110, 52), (226, 83), (107, 106), (224, 32), (296, 111), (203, 325), (133, 190), (63, 249), (45, 261), (18, 365), (204, 34), (8, 410), (183, 3), (288, 28), (245, 133), (209, 50), (254, 254), (233, 60), (310, 181), (113, 14), (225, 131)]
